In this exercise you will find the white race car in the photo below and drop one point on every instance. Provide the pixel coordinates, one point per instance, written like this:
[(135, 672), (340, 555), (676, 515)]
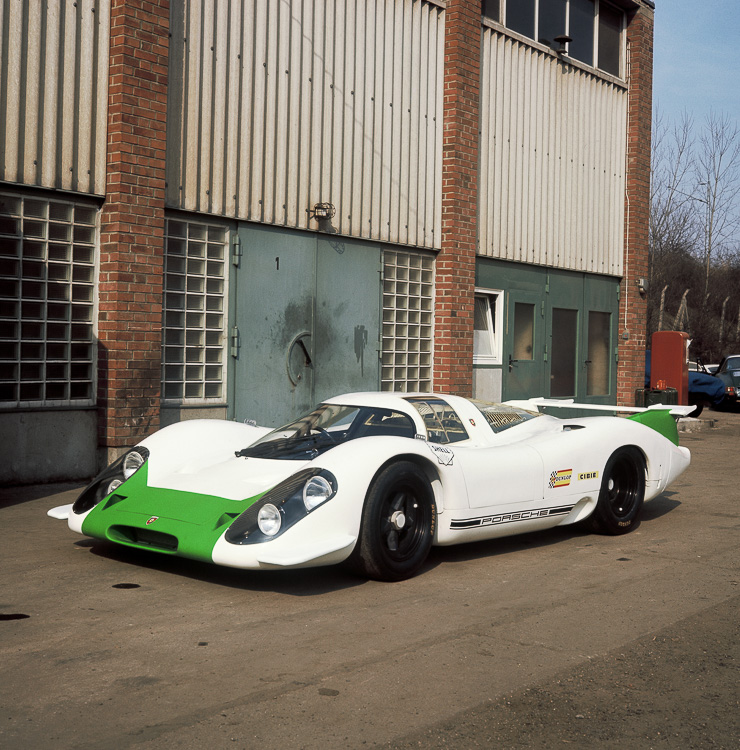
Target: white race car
[(375, 479)]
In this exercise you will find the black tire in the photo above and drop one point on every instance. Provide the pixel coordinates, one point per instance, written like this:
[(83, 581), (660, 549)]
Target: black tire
[(699, 406), (397, 528), (622, 494)]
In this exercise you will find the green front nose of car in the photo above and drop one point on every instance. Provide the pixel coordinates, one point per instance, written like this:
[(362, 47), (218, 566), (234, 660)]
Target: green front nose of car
[(153, 518)]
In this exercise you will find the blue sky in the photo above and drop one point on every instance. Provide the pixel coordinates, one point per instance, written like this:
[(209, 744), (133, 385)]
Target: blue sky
[(697, 58)]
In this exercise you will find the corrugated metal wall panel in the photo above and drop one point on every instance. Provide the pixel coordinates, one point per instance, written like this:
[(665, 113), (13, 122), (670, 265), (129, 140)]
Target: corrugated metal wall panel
[(54, 93), (276, 105), (553, 139)]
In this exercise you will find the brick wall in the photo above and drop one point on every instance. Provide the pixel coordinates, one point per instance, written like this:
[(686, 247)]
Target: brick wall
[(455, 268), (633, 305), (132, 226)]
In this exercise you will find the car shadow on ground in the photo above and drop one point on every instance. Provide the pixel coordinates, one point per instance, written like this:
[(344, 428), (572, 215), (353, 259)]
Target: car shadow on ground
[(13, 495), (293, 582), (659, 506), (317, 581), (504, 545)]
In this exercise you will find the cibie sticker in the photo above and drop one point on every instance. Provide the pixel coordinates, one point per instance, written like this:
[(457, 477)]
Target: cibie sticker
[(444, 455), (588, 475), (560, 478)]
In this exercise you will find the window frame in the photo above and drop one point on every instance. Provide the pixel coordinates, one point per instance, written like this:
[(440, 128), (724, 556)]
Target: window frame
[(594, 63), (495, 299)]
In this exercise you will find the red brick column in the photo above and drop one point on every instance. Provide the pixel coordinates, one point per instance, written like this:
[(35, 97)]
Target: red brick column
[(633, 304), (455, 273), (132, 226)]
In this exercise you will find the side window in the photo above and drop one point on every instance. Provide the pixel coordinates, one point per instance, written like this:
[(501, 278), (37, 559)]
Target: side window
[(487, 327), (441, 420)]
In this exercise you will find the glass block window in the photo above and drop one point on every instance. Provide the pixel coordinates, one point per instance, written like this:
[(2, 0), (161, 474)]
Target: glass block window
[(47, 301), (194, 325), (408, 289)]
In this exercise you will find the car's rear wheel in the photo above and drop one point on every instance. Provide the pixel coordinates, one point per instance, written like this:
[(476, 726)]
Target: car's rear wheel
[(397, 527), (622, 493)]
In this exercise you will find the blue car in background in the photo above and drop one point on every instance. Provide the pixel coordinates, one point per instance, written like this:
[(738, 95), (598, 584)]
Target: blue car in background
[(706, 389)]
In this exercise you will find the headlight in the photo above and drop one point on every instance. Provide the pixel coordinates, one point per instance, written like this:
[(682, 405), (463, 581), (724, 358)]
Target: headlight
[(268, 520), (110, 479), (317, 490), (132, 462), (283, 506), (114, 485)]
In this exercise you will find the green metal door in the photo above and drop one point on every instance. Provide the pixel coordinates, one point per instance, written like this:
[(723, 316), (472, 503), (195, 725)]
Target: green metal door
[(599, 345), (565, 368), (307, 312), (274, 293), (347, 327), (523, 346)]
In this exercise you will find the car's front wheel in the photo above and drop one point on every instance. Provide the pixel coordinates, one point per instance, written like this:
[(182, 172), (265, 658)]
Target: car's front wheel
[(397, 527), (622, 493)]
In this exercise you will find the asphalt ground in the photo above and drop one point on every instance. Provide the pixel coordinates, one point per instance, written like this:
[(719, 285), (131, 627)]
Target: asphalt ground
[(557, 639)]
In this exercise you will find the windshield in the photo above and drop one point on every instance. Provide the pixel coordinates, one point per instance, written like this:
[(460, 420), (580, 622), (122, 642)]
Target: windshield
[(327, 426)]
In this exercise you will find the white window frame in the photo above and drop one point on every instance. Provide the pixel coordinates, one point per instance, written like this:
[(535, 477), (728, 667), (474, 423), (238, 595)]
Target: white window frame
[(495, 298)]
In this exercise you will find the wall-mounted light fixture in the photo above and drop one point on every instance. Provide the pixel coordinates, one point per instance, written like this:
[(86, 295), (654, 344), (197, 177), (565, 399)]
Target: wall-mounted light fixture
[(562, 40), (323, 211), (642, 285)]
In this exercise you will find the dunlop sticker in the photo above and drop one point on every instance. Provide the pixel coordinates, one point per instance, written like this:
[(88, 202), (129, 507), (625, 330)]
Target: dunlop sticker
[(560, 478)]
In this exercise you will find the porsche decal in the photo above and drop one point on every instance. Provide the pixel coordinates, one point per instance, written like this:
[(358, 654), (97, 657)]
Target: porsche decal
[(560, 478), (522, 515), (152, 520)]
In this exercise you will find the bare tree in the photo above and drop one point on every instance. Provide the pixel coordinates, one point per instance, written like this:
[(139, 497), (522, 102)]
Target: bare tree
[(717, 175), (672, 206)]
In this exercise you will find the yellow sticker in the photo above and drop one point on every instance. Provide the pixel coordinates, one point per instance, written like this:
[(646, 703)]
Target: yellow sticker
[(560, 478)]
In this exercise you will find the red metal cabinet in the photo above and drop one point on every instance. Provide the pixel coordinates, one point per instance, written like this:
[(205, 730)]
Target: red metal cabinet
[(669, 362)]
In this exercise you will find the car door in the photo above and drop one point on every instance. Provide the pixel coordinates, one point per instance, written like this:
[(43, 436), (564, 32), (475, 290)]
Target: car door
[(504, 476)]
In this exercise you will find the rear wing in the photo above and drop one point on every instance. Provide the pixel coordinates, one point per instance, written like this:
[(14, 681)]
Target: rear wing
[(569, 403), (659, 417)]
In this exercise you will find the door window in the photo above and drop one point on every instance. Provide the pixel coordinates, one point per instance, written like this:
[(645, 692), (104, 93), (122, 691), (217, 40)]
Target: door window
[(564, 348), (523, 331), (597, 374)]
